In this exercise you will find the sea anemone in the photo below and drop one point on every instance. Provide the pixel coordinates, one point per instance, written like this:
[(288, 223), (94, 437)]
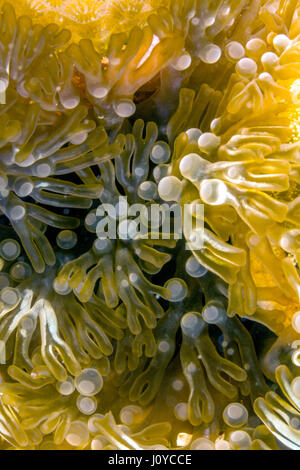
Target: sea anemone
[(150, 225)]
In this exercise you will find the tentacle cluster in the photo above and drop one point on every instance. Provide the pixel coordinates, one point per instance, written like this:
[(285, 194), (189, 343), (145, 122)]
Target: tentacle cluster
[(122, 326)]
